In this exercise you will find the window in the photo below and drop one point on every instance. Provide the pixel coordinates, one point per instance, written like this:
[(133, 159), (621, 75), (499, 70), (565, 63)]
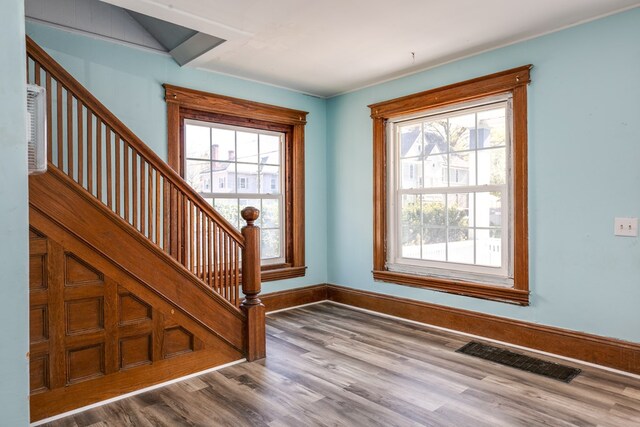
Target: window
[(242, 183), (450, 210), (255, 154), (250, 156)]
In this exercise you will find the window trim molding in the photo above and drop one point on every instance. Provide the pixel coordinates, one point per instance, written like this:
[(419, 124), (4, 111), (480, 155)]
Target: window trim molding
[(183, 102), (512, 81)]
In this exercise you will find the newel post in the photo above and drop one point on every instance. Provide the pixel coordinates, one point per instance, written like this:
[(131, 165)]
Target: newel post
[(255, 340)]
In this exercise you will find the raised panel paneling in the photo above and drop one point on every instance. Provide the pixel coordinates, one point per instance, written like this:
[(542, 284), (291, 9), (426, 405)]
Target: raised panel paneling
[(86, 315), (38, 324), (85, 363), (79, 273), (177, 340), (135, 351), (34, 234), (133, 310), (39, 373), (37, 272)]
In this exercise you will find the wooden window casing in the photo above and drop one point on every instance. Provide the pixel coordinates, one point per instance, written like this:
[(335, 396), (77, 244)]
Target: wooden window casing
[(185, 103), (513, 82)]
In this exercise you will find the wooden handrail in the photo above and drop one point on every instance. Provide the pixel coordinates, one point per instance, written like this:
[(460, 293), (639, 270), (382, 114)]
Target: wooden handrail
[(96, 150)]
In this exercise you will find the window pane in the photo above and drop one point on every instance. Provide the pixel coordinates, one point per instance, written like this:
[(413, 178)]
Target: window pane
[(435, 171), (489, 209), (459, 208), (270, 179), (198, 175), (224, 177), (459, 130), (247, 180), (228, 208), (462, 167), (247, 147), (488, 247), (492, 167), (411, 140), (197, 142), (433, 210), (491, 128), (460, 245), (434, 244), (270, 244), (223, 144), (270, 213), (435, 137), (411, 172), (270, 149), (411, 226)]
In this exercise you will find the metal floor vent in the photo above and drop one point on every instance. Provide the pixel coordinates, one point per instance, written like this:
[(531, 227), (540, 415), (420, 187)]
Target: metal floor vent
[(520, 361)]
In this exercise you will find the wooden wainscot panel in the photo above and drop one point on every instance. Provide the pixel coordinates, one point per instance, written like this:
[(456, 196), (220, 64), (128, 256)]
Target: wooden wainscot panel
[(35, 234), (177, 341), (132, 309), (85, 315), (85, 363), (37, 272), (38, 323), (135, 351), (79, 273), (39, 373)]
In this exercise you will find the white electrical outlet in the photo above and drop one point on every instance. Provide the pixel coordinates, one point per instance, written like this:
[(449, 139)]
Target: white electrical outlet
[(626, 227)]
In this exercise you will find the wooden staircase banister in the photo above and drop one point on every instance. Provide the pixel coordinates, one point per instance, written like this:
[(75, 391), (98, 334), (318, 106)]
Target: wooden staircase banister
[(69, 82), (137, 279), (89, 144)]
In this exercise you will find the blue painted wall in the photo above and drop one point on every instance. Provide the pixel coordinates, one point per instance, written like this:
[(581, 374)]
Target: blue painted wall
[(129, 82), (14, 243), (584, 169), (584, 127)]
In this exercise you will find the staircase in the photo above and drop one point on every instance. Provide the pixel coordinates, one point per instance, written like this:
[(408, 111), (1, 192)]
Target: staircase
[(134, 278)]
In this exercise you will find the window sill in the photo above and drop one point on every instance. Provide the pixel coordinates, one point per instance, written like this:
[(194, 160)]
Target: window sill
[(281, 272), (494, 293)]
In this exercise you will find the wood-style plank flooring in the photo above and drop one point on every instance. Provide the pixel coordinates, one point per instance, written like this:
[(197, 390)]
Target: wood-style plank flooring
[(329, 365)]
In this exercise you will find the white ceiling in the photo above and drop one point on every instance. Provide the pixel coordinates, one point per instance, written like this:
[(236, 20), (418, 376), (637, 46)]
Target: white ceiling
[(327, 47)]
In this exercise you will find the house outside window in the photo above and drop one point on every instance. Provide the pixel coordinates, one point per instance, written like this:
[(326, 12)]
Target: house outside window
[(450, 188)]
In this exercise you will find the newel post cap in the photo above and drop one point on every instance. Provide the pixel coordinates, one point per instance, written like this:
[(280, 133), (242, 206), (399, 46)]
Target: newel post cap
[(250, 214)]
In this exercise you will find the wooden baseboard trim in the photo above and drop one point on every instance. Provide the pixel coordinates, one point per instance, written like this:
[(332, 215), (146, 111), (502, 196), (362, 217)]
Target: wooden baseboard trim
[(613, 353), (609, 352), (294, 297)]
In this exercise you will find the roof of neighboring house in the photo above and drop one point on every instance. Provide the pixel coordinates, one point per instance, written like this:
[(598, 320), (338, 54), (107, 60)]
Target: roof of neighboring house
[(412, 140)]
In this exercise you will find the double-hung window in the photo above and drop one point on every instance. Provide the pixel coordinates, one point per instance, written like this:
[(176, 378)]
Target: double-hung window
[(451, 165), (247, 164), (239, 153), (450, 175)]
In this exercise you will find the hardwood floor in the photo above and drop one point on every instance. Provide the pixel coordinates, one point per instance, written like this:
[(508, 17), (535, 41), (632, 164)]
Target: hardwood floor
[(329, 365)]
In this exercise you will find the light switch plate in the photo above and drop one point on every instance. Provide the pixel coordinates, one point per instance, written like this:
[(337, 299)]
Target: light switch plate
[(627, 227)]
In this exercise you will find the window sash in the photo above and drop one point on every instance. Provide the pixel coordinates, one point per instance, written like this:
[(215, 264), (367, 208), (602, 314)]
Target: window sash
[(501, 276), (238, 195)]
